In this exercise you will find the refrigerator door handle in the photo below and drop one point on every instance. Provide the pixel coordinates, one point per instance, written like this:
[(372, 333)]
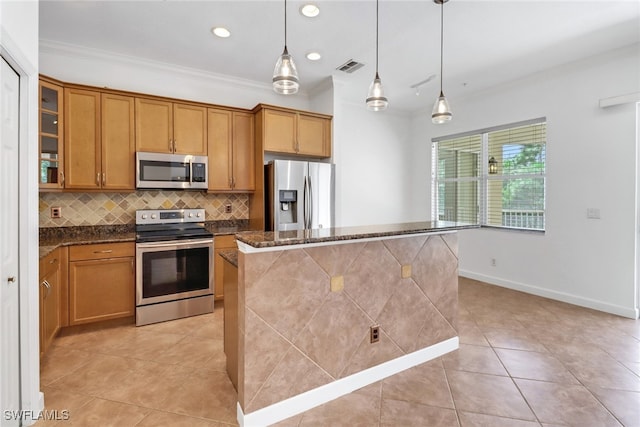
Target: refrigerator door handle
[(310, 204), (304, 203)]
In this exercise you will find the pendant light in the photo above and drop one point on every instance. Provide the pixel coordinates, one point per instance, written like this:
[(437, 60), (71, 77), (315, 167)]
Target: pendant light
[(285, 74), (376, 101), (441, 112)]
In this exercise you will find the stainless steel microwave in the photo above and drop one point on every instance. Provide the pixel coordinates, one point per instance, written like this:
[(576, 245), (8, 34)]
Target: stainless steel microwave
[(171, 171)]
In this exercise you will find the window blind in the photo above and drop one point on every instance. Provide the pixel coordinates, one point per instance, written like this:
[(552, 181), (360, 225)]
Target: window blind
[(459, 166), (512, 196), (516, 193)]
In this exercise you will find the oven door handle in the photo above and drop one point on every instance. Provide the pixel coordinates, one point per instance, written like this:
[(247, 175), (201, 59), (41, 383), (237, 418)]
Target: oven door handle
[(175, 244)]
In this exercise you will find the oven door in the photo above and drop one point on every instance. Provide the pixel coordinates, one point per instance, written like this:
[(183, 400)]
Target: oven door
[(172, 270)]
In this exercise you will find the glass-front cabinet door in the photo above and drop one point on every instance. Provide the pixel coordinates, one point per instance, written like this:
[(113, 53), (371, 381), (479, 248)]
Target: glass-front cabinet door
[(51, 171)]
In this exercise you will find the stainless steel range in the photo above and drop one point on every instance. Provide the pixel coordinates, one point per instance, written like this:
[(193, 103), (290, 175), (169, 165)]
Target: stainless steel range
[(174, 265)]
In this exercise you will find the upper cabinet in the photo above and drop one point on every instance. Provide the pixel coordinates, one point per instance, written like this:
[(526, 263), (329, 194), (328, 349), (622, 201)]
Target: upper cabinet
[(51, 147), (168, 127), (82, 136), (118, 146), (294, 132), (231, 150), (100, 148)]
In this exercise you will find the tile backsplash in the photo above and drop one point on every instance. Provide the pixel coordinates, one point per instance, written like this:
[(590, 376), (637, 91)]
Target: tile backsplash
[(120, 208)]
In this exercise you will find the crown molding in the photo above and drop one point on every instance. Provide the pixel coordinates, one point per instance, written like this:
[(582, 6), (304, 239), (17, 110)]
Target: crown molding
[(81, 52)]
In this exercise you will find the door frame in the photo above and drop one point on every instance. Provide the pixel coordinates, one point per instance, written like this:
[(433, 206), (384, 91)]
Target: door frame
[(32, 400)]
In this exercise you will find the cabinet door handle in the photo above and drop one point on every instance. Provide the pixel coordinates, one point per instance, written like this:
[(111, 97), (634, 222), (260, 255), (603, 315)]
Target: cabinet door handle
[(53, 261), (98, 179), (104, 178), (170, 145), (108, 251), (11, 279), (48, 286), (61, 179), (175, 145), (233, 182), (133, 269)]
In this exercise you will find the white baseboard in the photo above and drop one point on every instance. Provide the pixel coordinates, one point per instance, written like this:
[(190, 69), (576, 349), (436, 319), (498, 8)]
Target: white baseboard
[(629, 312), (323, 394)]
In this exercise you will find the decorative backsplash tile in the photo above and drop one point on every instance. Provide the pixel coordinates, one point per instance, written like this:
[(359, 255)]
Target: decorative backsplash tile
[(120, 208)]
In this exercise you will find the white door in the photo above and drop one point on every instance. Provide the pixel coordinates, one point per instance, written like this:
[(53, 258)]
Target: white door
[(9, 280)]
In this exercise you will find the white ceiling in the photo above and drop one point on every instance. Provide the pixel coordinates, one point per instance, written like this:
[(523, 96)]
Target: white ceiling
[(485, 42)]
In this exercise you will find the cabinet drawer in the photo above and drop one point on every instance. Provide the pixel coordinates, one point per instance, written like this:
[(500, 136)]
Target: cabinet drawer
[(102, 250), (50, 263), (225, 241)]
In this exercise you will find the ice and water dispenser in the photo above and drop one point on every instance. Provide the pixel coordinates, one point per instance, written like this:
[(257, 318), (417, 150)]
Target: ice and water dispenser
[(288, 200)]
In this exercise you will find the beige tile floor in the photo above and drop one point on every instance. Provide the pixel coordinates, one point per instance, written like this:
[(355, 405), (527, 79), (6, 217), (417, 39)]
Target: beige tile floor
[(523, 361)]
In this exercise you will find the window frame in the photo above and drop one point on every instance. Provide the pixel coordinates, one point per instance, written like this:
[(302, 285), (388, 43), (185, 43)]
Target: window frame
[(483, 177)]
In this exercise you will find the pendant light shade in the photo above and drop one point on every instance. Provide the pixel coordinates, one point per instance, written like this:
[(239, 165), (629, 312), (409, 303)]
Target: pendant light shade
[(376, 101), (285, 74), (441, 112)]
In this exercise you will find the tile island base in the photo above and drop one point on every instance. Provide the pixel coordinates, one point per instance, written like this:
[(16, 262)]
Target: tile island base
[(306, 309)]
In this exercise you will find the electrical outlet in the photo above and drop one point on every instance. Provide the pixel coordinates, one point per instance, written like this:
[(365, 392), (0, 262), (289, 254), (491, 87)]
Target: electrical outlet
[(56, 212), (375, 334), (227, 208), (493, 262)]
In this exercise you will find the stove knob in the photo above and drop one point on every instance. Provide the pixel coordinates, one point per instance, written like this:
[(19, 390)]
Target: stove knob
[(198, 214), (190, 214), (153, 216), (144, 216)]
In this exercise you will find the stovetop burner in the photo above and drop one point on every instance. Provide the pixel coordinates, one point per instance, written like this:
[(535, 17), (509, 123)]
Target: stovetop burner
[(170, 224)]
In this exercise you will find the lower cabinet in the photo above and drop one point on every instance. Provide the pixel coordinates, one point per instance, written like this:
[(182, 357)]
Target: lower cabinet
[(52, 295), (230, 280), (221, 243), (101, 282)]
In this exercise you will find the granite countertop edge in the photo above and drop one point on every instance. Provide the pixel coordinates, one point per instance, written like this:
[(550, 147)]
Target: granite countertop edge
[(51, 238), (298, 237), (230, 255)]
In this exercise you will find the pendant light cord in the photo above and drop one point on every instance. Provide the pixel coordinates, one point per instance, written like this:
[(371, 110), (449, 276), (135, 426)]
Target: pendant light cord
[(441, 40), (377, 38), (285, 24)]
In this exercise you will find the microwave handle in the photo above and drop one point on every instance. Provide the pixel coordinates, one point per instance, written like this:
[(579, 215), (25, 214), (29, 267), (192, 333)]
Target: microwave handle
[(191, 171)]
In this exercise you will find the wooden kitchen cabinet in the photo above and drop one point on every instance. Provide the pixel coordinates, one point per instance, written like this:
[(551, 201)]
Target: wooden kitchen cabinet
[(118, 145), (170, 127), (100, 148), (231, 150), (51, 138), (53, 292), (82, 139), (314, 135), (230, 280), (295, 132), (221, 243), (101, 282)]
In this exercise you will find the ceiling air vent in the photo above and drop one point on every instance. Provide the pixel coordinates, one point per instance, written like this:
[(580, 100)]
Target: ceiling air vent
[(350, 66)]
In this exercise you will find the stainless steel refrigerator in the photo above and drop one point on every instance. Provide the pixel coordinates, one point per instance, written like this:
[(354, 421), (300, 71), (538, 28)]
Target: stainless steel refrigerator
[(299, 195)]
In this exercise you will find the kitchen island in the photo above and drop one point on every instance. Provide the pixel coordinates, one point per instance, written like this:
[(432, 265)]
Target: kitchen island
[(322, 313)]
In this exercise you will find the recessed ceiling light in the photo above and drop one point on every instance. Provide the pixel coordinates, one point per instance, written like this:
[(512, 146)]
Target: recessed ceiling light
[(313, 56), (221, 32), (310, 10)]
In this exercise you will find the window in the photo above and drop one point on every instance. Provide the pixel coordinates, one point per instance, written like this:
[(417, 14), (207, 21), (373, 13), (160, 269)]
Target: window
[(492, 177)]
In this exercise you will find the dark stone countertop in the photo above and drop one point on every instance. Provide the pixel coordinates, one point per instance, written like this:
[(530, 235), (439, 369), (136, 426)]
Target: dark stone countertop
[(268, 239), (230, 255), (53, 237)]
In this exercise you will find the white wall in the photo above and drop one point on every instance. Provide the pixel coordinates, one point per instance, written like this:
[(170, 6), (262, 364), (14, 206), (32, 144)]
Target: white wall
[(372, 152), (92, 67), (591, 163), (19, 46)]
